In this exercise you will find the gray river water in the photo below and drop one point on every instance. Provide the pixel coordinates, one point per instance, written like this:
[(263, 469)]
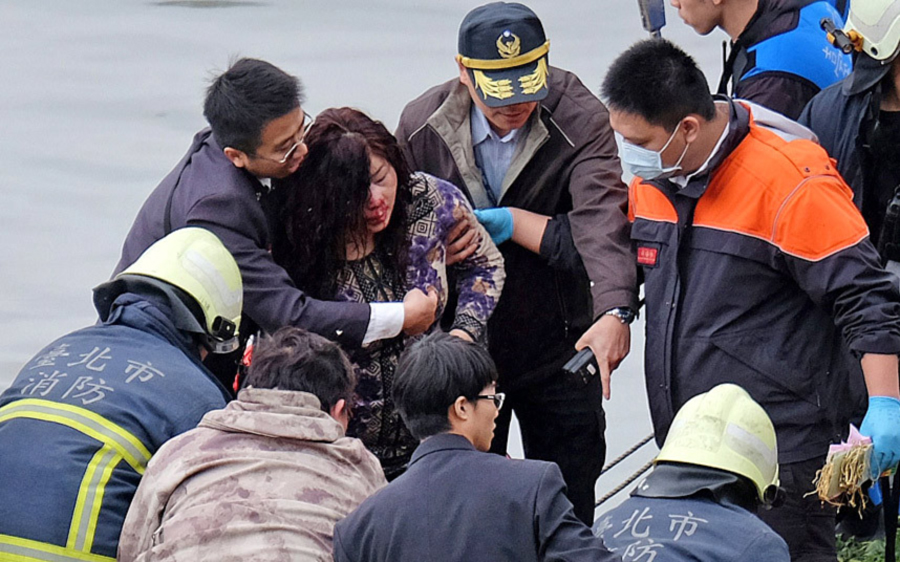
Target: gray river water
[(99, 99)]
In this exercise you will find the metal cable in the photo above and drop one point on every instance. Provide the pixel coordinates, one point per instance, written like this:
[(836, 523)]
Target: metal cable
[(626, 454), (622, 486)]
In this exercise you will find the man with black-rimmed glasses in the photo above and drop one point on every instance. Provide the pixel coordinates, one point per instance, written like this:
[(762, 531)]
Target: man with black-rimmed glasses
[(455, 502), (256, 134)]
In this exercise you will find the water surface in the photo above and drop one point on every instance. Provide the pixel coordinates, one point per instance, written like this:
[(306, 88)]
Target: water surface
[(100, 99)]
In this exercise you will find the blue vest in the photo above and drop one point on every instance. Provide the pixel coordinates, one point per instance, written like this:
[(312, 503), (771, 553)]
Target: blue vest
[(842, 6), (804, 51), (77, 428)]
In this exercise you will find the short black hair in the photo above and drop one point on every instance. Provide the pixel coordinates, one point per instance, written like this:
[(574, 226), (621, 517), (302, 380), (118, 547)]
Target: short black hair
[(245, 98), (656, 80), (294, 359), (432, 374)]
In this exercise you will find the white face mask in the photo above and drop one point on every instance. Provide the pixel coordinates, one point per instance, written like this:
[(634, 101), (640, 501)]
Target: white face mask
[(645, 163)]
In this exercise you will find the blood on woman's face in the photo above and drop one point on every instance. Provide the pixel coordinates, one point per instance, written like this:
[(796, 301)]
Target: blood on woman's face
[(382, 194)]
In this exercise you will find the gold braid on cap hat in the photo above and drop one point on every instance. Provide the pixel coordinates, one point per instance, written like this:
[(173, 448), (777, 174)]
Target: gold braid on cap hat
[(504, 63), (503, 89), (500, 89), (532, 83)]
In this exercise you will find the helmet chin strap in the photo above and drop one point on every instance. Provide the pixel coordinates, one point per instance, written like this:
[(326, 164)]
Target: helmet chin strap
[(222, 339), (774, 496), (218, 346)]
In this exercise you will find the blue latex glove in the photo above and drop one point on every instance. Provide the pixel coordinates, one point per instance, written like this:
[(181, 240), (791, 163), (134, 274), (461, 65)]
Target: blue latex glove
[(498, 222), (882, 424), (875, 493)]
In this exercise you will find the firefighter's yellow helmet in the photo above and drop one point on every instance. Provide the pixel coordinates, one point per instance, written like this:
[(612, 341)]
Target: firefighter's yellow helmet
[(195, 261), (725, 429)]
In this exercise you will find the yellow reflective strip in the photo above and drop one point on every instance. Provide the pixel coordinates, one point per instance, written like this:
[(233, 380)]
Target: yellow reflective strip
[(130, 447), (501, 64), (93, 416), (9, 557), (106, 470), (83, 490), (15, 549), (90, 499), (138, 464)]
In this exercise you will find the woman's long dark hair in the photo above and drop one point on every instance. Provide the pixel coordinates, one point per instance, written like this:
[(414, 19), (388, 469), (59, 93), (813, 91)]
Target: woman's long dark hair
[(322, 205)]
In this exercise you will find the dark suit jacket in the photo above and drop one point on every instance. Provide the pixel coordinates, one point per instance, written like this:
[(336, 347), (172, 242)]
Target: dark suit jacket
[(457, 503), (205, 189)]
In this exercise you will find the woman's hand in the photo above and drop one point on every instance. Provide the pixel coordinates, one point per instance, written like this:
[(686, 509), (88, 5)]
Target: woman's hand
[(462, 334), (419, 310)]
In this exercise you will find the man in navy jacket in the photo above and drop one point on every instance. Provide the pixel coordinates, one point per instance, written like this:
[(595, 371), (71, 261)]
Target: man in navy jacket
[(256, 134), (858, 120), (83, 417), (717, 468), (758, 271), (455, 502)]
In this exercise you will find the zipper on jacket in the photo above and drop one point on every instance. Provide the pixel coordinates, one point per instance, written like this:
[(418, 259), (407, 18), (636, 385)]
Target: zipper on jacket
[(684, 232)]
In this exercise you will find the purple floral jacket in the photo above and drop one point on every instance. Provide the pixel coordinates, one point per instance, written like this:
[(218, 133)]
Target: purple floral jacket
[(436, 207)]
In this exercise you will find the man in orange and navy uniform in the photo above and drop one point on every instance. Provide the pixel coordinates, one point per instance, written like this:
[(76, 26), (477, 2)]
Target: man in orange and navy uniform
[(758, 270)]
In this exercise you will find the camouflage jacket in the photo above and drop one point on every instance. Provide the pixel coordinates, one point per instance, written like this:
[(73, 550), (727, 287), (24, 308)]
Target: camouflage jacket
[(266, 478)]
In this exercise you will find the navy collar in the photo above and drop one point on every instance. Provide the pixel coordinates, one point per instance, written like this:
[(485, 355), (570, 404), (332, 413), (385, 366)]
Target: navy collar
[(760, 25), (441, 442)]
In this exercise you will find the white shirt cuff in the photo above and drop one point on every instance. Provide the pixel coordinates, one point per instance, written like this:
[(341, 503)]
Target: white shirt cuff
[(385, 321)]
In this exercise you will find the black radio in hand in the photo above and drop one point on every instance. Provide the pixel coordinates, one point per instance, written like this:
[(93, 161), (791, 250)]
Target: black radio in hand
[(583, 364)]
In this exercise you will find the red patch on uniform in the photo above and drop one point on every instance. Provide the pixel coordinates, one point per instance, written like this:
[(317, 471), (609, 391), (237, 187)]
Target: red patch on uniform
[(647, 256)]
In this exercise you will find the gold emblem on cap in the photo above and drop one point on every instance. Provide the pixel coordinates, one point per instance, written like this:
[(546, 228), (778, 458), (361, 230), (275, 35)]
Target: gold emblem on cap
[(508, 45), (532, 83), (500, 89)]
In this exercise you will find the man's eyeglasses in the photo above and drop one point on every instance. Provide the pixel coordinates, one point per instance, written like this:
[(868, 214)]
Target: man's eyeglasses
[(307, 123), (497, 398)]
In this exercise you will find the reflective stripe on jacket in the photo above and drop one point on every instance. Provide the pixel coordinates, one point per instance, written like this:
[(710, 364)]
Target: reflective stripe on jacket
[(78, 427)]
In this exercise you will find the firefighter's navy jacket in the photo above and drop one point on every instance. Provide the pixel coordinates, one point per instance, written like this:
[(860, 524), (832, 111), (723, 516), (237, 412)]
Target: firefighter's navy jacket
[(760, 272), (79, 424), (686, 530)]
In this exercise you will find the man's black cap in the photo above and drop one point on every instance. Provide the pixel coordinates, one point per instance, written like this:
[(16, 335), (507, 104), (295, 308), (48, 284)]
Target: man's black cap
[(504, 48)]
